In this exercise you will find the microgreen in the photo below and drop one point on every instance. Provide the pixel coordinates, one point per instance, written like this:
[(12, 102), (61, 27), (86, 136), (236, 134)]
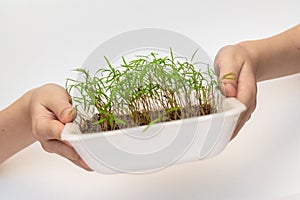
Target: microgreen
[(144, 91)]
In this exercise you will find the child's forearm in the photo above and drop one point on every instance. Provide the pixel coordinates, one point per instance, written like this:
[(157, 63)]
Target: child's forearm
[(275, 56), (15, 127)]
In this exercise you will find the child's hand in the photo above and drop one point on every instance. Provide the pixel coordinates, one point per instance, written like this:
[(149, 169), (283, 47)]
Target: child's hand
[(235, 59), (50, 108)]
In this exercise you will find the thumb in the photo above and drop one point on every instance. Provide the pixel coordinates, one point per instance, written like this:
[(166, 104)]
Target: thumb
[(66, 115), (228, 68), (58, 101)]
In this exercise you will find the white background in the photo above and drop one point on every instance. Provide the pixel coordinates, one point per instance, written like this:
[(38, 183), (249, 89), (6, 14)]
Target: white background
[(41, 41)]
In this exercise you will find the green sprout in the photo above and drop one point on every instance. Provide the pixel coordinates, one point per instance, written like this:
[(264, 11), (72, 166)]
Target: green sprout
[(144, 91)]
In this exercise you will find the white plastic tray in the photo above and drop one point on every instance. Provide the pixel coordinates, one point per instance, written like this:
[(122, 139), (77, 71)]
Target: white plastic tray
[(135, 150)]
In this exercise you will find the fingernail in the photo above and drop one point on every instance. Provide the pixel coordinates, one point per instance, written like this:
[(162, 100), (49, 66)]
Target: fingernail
[(67, 111), (67, 114)]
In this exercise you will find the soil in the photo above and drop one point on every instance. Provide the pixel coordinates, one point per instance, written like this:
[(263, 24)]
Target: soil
[(140, 118)]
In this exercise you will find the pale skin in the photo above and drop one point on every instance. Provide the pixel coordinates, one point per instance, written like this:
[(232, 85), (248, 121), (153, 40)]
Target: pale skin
[(40, 114), (258, 60)]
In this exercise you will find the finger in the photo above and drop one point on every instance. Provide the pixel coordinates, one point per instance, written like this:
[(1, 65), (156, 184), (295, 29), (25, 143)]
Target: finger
[(82, 164), (60, 148), (244, 117), (47, 128), (247, 87), (240, 123), (246, 93), (59, 104), (228, 66)]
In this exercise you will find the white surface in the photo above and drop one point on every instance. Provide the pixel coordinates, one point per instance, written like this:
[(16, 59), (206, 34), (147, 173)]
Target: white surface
[(164, 144), (42, 40)]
